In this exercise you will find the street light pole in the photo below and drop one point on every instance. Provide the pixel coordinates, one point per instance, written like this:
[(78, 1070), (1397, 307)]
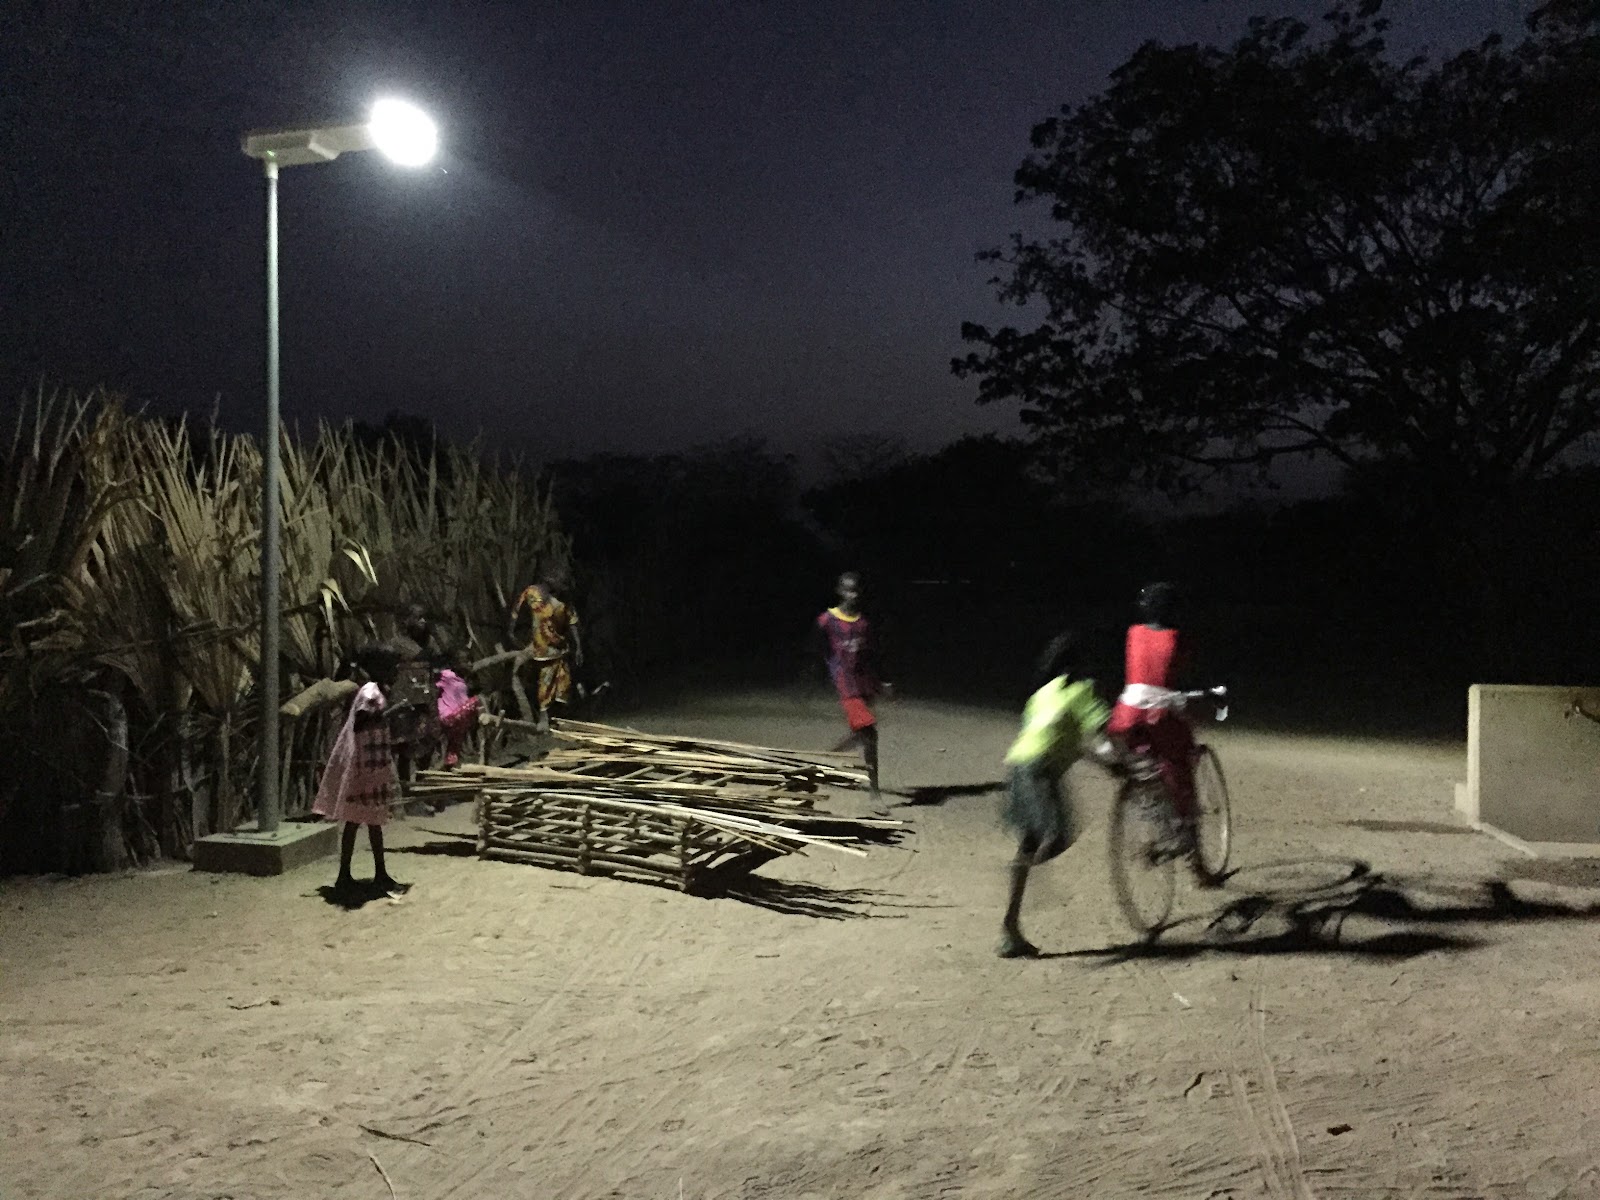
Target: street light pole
[(408, 138), (269, 802)]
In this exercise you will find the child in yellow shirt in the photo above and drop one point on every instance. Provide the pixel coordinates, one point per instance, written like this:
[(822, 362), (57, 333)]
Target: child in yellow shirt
[(1062, 722)]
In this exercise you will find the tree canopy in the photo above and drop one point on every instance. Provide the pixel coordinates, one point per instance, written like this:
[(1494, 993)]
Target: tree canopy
[(1302, 244)]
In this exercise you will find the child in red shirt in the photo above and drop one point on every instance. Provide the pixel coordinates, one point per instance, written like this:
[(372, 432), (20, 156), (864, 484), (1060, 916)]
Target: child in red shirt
[(1148, 717), (850, 651)]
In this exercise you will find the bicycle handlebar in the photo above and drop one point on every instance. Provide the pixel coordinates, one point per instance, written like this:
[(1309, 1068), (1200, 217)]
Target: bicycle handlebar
[(1116, 758), (1217, 695)]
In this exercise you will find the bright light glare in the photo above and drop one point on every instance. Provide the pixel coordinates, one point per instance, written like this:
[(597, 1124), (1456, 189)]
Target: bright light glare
[(403, 132)]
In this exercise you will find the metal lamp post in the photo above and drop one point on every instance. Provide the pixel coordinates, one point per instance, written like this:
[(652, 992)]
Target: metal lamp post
[(408, 137)]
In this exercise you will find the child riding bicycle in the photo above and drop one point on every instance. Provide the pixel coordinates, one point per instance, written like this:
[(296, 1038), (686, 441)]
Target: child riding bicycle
[(1148, 717)]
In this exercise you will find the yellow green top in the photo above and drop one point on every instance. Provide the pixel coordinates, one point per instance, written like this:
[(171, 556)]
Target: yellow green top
[(1059, 720)]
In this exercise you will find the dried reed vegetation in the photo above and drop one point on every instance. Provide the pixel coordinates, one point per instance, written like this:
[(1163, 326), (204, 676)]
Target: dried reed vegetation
[(129, 597)]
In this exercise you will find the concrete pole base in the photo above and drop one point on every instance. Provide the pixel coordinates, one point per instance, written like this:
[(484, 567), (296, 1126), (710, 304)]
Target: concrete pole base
[(247, 851)]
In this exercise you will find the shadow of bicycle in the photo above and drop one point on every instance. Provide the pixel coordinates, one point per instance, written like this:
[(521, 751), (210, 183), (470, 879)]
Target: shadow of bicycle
[(1303, 906)]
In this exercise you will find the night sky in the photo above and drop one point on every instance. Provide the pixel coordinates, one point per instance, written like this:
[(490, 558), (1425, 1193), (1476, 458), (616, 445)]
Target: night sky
[(654, 225)]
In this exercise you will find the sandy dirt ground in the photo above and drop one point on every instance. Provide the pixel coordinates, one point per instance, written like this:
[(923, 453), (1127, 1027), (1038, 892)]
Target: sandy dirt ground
[(1379, 1004)]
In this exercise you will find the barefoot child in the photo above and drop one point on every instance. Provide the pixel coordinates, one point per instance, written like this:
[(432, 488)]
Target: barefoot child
[(358, 785), (1062, 721), (850, 652)]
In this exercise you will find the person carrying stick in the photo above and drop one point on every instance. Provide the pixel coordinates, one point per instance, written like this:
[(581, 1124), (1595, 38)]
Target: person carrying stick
[(554, 645)]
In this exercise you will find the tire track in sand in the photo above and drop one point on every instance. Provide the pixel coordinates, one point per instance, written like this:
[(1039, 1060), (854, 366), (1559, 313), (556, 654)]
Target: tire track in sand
[(1269, 1134), (589, 1105), (464, 1097), (630, 1105)]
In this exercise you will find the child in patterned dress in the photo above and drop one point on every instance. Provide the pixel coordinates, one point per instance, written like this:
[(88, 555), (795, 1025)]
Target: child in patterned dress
[(554, 644), (358, 785)]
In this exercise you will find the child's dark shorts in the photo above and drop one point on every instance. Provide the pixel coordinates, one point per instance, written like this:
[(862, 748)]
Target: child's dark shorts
[(1038, 808)]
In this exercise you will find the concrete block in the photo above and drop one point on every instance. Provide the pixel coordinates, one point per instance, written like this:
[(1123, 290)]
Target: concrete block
[(247, 851), (1531, 770)]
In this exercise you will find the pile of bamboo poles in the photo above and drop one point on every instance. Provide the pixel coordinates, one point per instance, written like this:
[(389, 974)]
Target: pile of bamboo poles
[(598, 834), (707, 758), (655, 806)]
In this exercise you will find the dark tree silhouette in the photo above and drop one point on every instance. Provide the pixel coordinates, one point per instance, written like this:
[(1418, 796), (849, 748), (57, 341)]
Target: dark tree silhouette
[(972, 509), (691, 565), (1299, 244), (848, 456)]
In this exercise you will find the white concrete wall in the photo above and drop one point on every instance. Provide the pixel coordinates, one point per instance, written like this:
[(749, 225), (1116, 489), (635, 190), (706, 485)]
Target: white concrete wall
[(1531, 770)]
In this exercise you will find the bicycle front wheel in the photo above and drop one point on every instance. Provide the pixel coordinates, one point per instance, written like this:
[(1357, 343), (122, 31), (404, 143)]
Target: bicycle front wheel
[(1213, 817), (1143, 877)]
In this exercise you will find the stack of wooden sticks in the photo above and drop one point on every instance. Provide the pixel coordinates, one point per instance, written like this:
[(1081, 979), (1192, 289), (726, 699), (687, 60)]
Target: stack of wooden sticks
[(664, 807)]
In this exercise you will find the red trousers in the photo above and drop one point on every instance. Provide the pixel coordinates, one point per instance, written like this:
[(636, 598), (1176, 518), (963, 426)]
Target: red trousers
[(1165, 737), (858, 713)]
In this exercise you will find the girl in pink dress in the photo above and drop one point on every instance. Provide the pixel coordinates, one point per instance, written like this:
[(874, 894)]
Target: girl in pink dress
[(458, 713), (358, 785)]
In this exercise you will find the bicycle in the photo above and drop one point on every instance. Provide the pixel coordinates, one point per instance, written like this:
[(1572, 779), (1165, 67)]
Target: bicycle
[(1145, 842)]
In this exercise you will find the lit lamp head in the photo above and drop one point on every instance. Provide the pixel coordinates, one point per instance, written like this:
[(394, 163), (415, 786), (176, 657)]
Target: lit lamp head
[(405, 134), (402, 131)]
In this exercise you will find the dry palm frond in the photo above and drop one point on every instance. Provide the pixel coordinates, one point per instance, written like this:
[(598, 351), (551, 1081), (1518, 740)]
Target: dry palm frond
[(133, 545), (208, 520), (51, 512), (311, 545)]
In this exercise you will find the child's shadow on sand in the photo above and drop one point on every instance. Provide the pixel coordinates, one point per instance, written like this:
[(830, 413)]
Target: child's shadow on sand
[(921, 797), (353, 895)]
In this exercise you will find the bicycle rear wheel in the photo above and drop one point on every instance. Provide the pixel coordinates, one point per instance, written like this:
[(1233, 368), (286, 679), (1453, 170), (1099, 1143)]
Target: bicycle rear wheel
[(1144, 880), (1213, 817)]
